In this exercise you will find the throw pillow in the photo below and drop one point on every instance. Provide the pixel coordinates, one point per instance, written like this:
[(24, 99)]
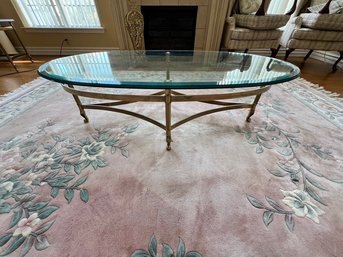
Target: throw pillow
[(336, 6), (249, 6), (317, 2)]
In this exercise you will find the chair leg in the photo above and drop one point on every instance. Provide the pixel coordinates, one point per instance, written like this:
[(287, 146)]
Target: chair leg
[(21, 42), (275, 51), (308, 55), (288, 52), (268, 65), (245, 62), (9, 58), (334, 67)]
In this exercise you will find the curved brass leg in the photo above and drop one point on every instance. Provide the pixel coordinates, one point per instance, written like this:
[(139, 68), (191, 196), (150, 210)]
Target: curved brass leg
[(85, 118), (167, 96), (168, 118), (253, 107), (79, 104)]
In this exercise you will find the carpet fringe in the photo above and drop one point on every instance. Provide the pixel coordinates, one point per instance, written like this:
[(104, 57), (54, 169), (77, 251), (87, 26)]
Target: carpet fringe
[(22, 90), (319, 88)]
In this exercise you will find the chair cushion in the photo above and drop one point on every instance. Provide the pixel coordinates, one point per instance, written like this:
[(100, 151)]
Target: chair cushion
[(322, 21), (251, 44), (248, 34), (261, 22), (321, 35)]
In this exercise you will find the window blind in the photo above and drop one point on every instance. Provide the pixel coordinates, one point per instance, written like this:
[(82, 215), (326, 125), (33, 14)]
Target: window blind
[(279, 6), (59, 13)]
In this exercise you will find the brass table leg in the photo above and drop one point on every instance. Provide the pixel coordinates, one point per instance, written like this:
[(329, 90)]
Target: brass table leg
[(167, 96), (79, 104), (168, 117), (253, 107)]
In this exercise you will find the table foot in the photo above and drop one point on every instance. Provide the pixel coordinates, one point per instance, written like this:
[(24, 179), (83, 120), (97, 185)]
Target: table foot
[(85, 118), (248, 119), (169, 140)]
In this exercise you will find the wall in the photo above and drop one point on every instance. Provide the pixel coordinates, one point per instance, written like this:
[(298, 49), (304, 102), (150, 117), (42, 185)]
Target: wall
[(51, 41)]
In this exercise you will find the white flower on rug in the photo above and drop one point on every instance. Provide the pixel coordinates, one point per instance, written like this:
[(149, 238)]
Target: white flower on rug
[(29, 179), (300, 202), (26, 225), (93, 151), (8, 186), (43, 159)]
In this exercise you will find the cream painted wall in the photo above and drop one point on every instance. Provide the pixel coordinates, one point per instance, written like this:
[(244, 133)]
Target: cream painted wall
[(107, 39)]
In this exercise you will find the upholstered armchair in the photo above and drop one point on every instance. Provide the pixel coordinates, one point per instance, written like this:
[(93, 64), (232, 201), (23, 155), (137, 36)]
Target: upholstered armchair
[(317, 25), (249, 27)]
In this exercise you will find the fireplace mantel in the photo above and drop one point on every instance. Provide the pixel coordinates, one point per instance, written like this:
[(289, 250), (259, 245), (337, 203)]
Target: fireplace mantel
[(209, 25)]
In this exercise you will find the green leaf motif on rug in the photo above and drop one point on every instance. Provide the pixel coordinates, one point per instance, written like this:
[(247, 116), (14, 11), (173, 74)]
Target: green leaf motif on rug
[(167, 250), (61, 163), (291, 151)]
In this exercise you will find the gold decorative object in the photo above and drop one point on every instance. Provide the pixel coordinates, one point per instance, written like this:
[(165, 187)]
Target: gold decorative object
[(134, 23)]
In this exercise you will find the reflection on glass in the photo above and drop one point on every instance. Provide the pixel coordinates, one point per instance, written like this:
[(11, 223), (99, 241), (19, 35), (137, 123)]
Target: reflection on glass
[(198, 69), (260, 69), (90, 67)]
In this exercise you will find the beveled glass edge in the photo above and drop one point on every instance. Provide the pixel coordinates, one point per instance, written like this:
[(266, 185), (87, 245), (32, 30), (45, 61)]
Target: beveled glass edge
[(174, 85)]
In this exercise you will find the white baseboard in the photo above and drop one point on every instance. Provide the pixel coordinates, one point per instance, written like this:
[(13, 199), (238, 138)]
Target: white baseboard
[(324, 56), (281, 53), (81, 50), (65, 50)]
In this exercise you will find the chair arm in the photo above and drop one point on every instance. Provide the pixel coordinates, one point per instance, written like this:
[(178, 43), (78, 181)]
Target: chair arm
[(293, 24), (230, 23), (295, 21)]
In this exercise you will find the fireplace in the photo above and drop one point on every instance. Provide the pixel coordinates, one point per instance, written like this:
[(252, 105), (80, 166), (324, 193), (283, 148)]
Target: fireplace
[(210, 19), (169, 27)]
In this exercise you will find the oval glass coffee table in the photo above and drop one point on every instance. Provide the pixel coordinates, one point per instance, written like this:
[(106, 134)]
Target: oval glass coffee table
[(215, 76)]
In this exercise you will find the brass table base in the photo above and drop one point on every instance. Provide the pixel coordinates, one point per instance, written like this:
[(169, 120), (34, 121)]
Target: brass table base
[(167, 96)]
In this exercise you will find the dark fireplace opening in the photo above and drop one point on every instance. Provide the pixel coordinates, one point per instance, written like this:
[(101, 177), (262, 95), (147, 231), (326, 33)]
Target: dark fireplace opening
[(169, 27)]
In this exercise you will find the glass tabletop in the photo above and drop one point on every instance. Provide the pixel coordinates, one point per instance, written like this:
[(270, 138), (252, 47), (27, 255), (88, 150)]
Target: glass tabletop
[(168, 70)]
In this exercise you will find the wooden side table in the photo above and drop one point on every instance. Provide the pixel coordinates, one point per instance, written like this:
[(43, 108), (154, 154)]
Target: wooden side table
[(8, 25)]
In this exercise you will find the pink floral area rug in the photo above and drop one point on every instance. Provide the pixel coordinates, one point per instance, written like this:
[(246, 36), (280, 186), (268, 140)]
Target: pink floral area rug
[(271, 187)]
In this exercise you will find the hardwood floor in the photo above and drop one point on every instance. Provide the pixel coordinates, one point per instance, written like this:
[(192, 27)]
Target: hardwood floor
[(313, 70), (320, 73), (11, 80)]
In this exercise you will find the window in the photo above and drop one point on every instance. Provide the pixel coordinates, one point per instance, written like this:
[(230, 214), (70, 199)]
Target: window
[(58, 13), (279, 6)]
